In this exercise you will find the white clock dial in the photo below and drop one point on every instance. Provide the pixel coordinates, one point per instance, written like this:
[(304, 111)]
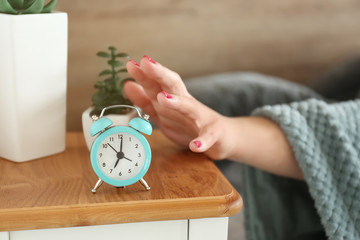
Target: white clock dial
[(121, 156)]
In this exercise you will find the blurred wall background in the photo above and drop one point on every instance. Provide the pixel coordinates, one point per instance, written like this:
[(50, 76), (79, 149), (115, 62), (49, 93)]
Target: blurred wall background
[(296, 40)]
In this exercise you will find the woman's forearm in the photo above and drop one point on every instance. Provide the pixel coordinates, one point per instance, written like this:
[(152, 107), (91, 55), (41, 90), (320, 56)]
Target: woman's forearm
[(261, 143)]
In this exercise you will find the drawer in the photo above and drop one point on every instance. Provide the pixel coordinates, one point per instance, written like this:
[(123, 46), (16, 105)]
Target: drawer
[(160, 230), (4, 235)]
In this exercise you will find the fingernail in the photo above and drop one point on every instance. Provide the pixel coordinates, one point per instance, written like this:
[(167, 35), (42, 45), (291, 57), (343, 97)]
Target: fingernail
[(150, 59), (166, 95), (127, 82), (134, 62), (197, 143)]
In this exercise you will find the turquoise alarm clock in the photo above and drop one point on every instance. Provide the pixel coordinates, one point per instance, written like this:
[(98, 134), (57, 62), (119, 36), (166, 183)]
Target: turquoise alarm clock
[(120, 155)]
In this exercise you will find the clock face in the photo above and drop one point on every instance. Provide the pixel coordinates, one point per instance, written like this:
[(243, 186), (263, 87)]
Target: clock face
[(120, 156)]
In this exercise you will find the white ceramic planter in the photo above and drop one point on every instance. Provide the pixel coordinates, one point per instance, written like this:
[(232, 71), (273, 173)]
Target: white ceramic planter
[(118, 119), (33, 65)]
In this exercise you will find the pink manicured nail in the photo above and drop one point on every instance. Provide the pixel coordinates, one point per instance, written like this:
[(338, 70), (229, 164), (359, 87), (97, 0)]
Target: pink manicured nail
[(150, 59), (134, 62), (167, 95), (197, 143)]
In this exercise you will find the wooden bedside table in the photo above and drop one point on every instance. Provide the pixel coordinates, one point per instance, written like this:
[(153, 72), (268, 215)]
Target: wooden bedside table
[(189, 197)]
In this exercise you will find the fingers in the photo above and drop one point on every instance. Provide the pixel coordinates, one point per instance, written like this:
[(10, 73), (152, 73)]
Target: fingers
[(204, 141), (187, 106), (154, 77), (150, 86), (206, 121), (169, 81), (163, 95), (137, 95), (211, 141)]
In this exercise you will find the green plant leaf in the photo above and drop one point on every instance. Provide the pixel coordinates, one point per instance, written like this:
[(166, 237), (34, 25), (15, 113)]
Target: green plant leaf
[(17, 4), (49, 7), (122, 55), (99, 98), (110, 82), (103, 54), (114, 63), (122, 70), (36, 7), (28, 3), (99, 85), (5, 7), (110, 89), (105, 72), (112, 49)]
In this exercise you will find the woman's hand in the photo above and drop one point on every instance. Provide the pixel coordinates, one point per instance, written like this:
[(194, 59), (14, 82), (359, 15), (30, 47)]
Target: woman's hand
[(162, 94)]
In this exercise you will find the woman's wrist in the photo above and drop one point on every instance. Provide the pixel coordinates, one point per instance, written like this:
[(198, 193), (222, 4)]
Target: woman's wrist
[(261, 143)]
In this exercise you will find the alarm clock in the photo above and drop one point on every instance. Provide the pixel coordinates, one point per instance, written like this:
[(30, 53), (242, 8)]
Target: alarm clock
[(120, 155)]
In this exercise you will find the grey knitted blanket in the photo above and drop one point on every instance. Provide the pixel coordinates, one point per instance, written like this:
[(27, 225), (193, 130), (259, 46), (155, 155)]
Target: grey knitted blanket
[(325, 138), (326, 142)]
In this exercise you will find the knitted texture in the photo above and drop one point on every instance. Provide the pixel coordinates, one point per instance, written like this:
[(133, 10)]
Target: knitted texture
[(326, 141)]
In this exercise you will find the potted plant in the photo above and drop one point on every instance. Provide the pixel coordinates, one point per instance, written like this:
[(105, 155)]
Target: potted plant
[(109, 92), (33, 65)]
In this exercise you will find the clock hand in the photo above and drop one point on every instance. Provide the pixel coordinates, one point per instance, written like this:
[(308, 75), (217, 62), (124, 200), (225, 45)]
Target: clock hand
[(121, 144), (112, 147), (128, 159), (117, 162)]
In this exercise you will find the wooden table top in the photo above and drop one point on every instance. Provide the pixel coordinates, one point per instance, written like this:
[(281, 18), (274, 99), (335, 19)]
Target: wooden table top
[(55, 191)]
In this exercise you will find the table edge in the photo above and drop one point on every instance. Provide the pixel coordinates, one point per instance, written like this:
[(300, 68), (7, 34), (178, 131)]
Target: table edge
[(115, 213)]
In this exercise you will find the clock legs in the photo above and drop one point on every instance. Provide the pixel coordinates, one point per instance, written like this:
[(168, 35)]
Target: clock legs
[(144, 183), (99, 182), (97, 185)]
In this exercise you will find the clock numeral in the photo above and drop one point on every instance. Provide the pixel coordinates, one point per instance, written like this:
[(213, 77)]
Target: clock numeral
[(136, 145), (104, 145), (111, 139), (136, 164), (111, 170), (129, 139), (120, 136), (104, 164), (129, 171), (100, 155), (120, 174), (139, 154)]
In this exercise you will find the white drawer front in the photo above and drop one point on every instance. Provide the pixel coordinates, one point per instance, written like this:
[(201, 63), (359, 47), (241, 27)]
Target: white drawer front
[(208, 228), (161, 230), (4, 235)]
